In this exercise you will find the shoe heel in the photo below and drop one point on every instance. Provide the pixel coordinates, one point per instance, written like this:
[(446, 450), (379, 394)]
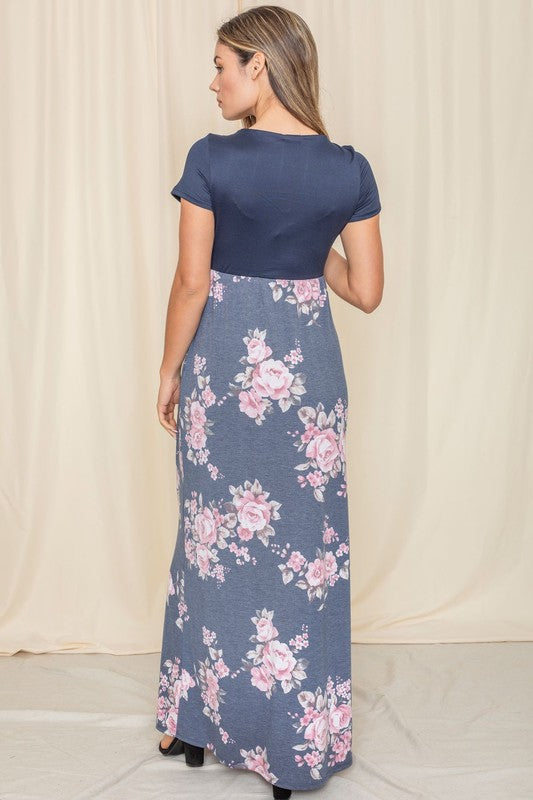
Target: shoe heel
[(280, 793), (194, 756)]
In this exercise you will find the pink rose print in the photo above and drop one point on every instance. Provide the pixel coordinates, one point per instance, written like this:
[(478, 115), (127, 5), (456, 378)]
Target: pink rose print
[(252, 404), (197, 414), (279, 661), (265, 629), (323, 440), (257, 760), (216, 288), (254, 511), (316, 572), (306, 291), (339, 717), (258, 350), (194, 420), (173, 686), (262, 678), (323, 448), (306, 295), (266, 380), (205, 525), (210, 529), (326, 726), (272, 379), (208, 675), (316, 576), (272, 660), (178, 588)]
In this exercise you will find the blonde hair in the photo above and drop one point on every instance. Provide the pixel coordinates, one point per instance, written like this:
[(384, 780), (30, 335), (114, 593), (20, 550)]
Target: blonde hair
[(291, 58)]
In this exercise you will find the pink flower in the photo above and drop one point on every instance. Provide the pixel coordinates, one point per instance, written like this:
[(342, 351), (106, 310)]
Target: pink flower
[(208, 396), (198, 437), (313, 758), (329, 535), (251, 403), (170, 585), (211, 680), (311, 430), (197, 414), (330, 564), (186, 681), (278, 658), (212, 689), (310, 714), (296, 561), (316, 572), (317, 731), (261, 678), (307, 290), (324, 449), (340, 748), (257, 762), (203, 558), (205, 526), (258, 350), (253, 511), (265, 629), (171, 721), (221, 668), (272, 379), (315, 478), (339, 717), (211, 699)]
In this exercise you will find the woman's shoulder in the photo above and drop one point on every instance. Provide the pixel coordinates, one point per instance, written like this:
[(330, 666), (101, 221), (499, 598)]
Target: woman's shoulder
[(214, 143)]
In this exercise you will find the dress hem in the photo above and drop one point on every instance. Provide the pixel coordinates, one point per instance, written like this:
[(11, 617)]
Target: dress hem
[(348, 761)]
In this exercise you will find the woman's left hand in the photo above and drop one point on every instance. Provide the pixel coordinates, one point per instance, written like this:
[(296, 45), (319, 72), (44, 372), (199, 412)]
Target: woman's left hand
[(168, 399)]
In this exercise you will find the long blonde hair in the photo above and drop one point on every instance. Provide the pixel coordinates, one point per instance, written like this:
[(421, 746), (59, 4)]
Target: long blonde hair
[(291, 58)]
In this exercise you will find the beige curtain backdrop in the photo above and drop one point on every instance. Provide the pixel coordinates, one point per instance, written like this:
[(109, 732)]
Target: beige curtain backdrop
[(100, 101)]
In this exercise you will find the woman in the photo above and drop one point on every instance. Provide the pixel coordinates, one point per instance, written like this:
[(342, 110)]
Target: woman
[(256, 651)]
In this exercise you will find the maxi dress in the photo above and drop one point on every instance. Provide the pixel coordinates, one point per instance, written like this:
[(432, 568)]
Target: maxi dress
[(256, 648)]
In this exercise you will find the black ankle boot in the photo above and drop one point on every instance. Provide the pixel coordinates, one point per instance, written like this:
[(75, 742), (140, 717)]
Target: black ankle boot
[(194, 756), (280, 793)]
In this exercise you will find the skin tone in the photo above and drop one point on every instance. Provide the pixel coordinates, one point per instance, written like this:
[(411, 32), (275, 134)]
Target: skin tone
[(358, 278)]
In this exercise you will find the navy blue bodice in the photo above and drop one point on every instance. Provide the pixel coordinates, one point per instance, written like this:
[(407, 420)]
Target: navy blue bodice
[(279, 200)]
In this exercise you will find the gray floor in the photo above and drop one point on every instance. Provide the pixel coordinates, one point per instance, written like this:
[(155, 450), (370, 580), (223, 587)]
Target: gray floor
[(432, 722)]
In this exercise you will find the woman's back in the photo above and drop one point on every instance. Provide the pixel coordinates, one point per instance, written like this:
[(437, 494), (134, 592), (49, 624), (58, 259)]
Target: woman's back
[(279, 200)]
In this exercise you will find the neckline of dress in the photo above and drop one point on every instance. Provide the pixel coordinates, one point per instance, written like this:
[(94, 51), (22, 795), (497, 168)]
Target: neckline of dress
[(288, 135)]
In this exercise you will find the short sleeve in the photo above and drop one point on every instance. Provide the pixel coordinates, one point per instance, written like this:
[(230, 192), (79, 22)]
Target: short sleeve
[(194, 184), (368, 203)]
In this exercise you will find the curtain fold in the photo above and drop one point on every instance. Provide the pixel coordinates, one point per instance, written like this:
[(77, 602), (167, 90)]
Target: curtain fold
[(100, 102)]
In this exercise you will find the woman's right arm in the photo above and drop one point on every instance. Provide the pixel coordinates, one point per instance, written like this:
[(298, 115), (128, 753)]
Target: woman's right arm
[(190, 288)]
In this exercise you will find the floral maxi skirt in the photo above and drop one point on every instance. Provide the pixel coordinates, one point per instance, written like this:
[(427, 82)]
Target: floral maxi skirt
[(256, 649)]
